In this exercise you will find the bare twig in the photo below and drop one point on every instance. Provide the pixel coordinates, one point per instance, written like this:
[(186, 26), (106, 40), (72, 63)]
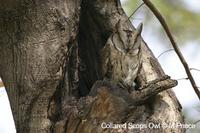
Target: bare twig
[(165, 52), (194, 69), (182, 79), (135, 10), (176, 48), (196, 122)]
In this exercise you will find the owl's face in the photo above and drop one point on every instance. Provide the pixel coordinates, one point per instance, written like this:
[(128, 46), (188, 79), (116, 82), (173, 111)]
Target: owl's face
[(127, 41)]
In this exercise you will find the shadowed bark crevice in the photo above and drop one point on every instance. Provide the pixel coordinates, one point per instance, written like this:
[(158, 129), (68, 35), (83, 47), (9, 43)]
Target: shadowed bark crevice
[(94, 31), (91, 40)]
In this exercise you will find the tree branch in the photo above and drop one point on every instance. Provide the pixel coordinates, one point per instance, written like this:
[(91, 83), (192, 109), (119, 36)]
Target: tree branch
[(195, 69), (1, 84), (153, 88), (176, 48), (165, 52), (135, 11)]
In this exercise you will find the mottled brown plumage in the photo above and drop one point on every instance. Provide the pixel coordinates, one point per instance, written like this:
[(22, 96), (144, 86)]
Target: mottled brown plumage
[(120, 57)]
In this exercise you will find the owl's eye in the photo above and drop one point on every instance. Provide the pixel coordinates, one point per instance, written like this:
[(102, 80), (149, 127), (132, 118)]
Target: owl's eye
[(118, 44)]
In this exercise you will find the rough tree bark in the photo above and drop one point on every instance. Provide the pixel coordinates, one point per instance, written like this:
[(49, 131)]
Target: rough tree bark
[(50, 65), (1, 84)]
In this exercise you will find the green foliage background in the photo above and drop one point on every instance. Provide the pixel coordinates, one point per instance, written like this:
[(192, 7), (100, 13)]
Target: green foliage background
[(183, 21)]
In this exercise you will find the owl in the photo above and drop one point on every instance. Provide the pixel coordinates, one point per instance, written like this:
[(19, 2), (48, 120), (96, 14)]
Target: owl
[(120, 57)]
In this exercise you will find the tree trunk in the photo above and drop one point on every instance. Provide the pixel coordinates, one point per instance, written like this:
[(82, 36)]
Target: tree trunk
[(51, 68), (34, 40)]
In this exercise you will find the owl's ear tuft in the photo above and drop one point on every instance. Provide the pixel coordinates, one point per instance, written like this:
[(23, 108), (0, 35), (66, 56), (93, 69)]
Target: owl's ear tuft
[(136, 37), (139, 29)]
